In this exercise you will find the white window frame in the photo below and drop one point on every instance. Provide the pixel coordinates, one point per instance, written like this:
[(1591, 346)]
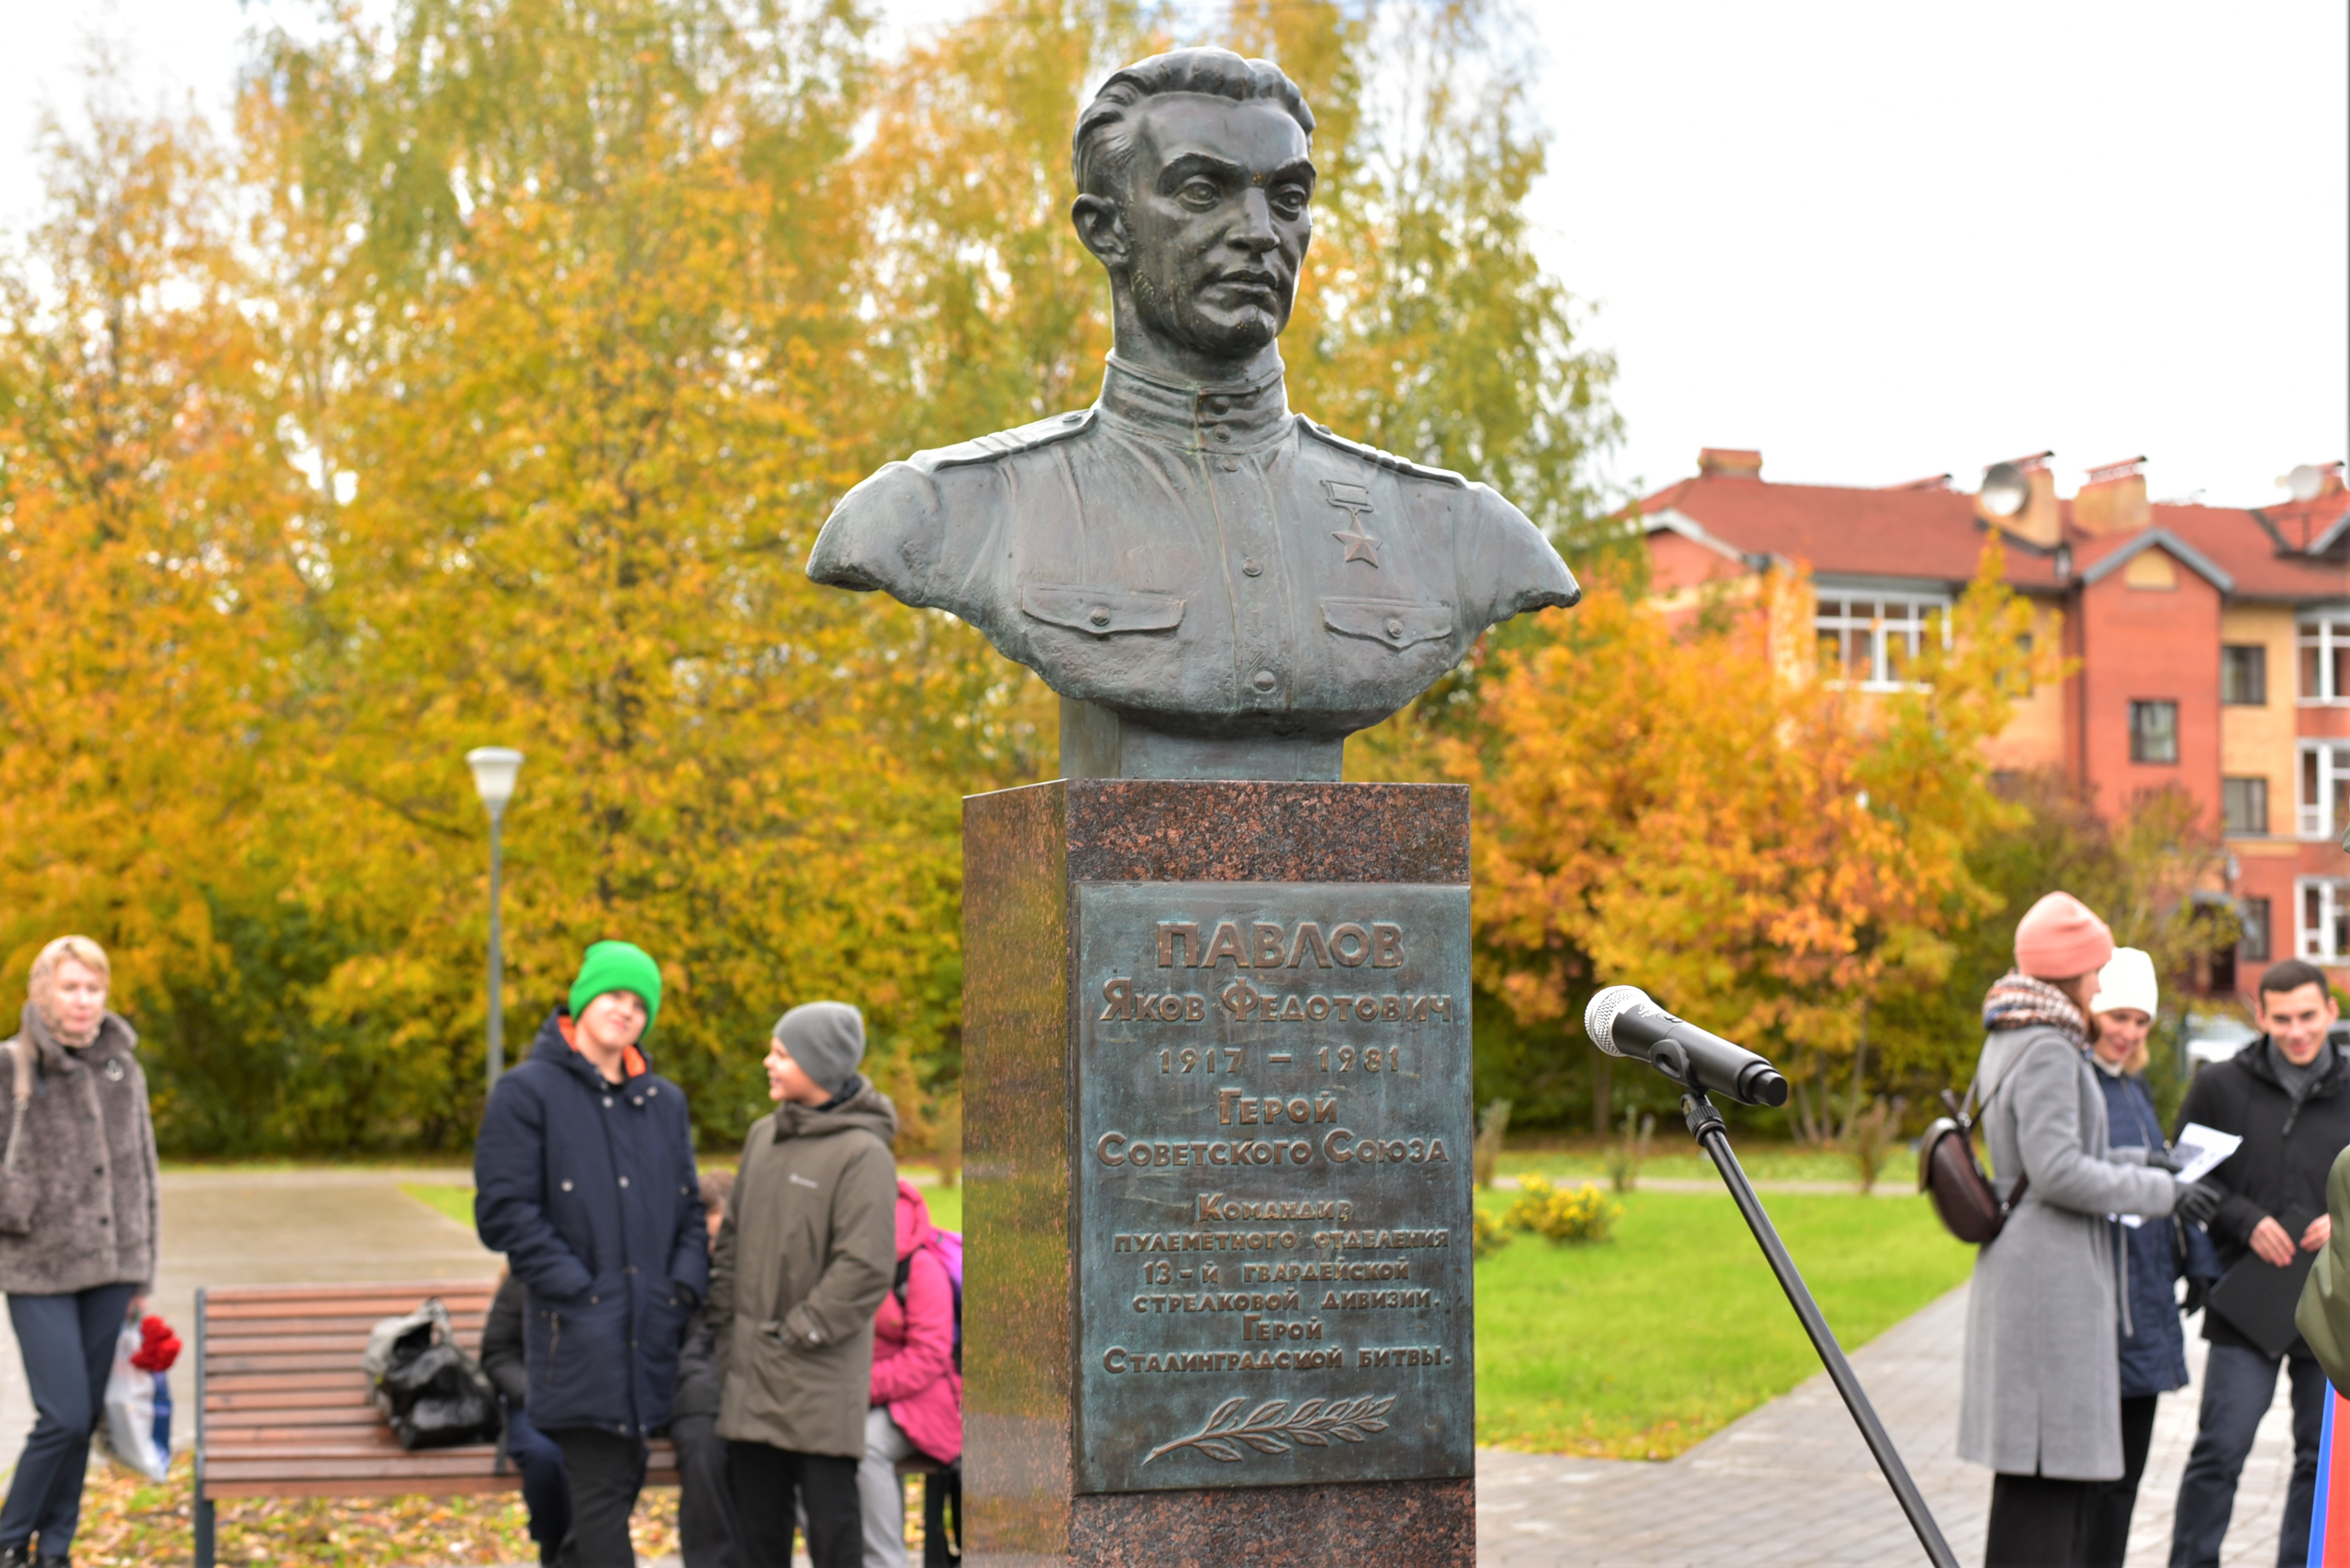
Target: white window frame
[(2328, 632), (2327, 764), (1923, 607), (2325, 939)]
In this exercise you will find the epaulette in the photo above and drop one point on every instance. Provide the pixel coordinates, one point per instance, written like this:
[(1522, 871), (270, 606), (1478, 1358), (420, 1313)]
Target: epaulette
[(1384, 459), (1006, 444)]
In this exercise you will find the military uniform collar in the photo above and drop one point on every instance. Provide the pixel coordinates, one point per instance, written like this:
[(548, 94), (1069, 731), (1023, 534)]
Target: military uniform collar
[(1212, 416)]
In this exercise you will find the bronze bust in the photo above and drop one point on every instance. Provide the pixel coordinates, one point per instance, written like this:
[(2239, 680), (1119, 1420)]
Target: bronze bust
[(1217, 587)]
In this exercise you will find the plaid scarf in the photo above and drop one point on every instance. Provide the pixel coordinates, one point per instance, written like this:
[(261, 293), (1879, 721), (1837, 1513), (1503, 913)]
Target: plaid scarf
[(2016, 1000)]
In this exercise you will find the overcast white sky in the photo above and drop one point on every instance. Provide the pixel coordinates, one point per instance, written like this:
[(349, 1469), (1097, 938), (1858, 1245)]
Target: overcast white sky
[(1875, 242)]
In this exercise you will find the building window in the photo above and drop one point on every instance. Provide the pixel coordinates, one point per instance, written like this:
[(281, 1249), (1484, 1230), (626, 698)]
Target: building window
[(2154, 731), (2324, 920), (1874, 641), (2252, 915), (2244, 675), (2324, 788), (2324, 642), (2244, 805)]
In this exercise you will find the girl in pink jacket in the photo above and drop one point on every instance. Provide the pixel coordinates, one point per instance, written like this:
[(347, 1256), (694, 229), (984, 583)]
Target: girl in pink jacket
[(917, 1399)]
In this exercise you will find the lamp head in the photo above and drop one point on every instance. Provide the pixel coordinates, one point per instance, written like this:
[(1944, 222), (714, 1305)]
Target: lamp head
[(493, 774), (2305, 482), (2005, 489)]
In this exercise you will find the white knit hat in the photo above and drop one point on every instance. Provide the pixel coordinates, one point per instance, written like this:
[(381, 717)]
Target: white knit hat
[(2126, 980)]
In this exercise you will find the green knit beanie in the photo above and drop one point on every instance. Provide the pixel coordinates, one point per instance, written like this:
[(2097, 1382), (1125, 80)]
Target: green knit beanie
[(617, 966)]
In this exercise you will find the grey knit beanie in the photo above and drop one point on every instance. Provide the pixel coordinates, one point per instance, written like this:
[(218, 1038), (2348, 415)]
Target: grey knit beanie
[(826, 1039)]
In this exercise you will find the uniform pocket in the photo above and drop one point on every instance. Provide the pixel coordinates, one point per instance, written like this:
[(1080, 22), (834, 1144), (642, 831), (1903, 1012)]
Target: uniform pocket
[(1395, 623), (1103, 612)]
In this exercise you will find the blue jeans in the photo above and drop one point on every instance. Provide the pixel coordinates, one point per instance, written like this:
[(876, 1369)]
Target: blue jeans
[(67, 1344), (2239, 1384), (545, 1486)]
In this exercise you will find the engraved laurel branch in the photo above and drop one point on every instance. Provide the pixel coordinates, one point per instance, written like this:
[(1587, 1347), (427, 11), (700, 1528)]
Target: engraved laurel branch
[(1315, 1423)]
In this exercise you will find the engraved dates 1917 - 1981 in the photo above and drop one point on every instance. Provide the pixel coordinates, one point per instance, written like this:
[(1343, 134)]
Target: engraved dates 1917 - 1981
[(1273, 1184)]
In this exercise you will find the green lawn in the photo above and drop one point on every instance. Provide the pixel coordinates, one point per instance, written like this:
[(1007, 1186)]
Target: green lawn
[(456, 1202), (1641, 1346), (1679, 1157)]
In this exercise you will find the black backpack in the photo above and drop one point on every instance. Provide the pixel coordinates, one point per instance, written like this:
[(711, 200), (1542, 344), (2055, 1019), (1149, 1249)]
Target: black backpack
[(1949, 1171)]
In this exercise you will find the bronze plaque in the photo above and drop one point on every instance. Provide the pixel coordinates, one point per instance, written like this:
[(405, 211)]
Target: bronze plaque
[(1272, 1214)]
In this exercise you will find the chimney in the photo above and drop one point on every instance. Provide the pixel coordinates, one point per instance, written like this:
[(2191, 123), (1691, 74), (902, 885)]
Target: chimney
[(2036, 522), (2114, 500), (1729, 462)]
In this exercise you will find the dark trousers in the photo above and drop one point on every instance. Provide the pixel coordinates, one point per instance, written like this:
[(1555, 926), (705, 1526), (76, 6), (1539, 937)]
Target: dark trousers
[(767, 1482), (545, 1484), (606, 1472), (706, 1528), (2110, 1510), (2238, 1384), (68, 1347), (2038, 1522)]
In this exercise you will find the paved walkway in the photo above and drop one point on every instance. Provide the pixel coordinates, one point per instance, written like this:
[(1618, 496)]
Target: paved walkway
[(1792, 1483)]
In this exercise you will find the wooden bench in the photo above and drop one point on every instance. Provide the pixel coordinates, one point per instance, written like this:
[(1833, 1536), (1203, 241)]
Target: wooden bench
[(282, 1409)]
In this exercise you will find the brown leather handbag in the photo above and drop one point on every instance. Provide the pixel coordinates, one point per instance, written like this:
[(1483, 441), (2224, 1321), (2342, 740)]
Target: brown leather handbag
[(1949, 1171)]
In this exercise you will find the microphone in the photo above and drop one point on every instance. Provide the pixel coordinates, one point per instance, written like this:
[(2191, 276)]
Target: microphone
[(1623, 1022)]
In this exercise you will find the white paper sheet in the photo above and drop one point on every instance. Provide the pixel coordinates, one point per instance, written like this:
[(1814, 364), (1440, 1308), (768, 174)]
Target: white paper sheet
[(2201, 1148)]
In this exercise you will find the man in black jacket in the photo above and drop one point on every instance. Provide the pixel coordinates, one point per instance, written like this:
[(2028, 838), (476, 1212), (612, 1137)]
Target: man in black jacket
[(545, 1492), (706, 1527), (583, 1178), (2287, 1096)]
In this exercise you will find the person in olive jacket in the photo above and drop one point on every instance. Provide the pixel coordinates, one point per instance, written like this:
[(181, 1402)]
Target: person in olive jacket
[(808, 1249), (583, 1178)]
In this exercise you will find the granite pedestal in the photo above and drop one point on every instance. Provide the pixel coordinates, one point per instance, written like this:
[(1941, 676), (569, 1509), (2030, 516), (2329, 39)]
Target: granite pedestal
[(1217, 1135)]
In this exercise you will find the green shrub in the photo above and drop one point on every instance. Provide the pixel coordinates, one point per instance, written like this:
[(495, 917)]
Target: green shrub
[(1488, 1234), (1564, 1213)]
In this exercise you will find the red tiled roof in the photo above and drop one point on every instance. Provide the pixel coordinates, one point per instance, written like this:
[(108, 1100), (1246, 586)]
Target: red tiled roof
[(1912, 532)]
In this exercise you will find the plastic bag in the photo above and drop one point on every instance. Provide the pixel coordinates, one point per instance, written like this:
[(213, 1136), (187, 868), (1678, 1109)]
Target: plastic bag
[(137, 1410), (433, 1394)]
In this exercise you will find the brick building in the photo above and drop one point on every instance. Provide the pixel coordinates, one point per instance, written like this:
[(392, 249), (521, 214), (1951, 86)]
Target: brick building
[(2211, 645)]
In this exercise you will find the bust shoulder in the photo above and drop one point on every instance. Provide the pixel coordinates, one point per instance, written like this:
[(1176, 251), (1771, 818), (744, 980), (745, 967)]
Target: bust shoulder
[(1373, 455), (1004, 443)]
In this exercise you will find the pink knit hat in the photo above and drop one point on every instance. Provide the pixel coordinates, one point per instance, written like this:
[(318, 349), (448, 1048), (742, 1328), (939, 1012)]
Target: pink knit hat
[(2059, 938)]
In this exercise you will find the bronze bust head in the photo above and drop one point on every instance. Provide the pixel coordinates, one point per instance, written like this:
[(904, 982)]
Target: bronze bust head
[(1217, 587)]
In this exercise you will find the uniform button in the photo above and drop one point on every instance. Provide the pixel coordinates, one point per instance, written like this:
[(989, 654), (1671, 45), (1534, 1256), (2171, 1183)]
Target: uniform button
[(608, 1100), (1098, 615), (1229, 465), (1251, 569), (1072, 418), (1265, 680), (624, 1181), (1220, 405), (1223, 434), (566, 1187), (1395, 628)]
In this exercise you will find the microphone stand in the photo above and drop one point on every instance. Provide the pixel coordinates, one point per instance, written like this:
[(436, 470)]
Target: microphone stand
[(1706, 1125)]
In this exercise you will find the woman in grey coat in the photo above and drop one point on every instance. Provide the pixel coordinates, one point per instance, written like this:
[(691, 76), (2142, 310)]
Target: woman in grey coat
[(77, 1220), (2042, 1396)]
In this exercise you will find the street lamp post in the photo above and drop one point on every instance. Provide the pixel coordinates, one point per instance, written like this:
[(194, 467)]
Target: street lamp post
[(493, 780)]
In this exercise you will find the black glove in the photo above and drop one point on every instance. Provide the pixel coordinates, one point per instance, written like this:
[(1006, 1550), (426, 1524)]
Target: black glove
[(2198, 1202), (2162, 1159)]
